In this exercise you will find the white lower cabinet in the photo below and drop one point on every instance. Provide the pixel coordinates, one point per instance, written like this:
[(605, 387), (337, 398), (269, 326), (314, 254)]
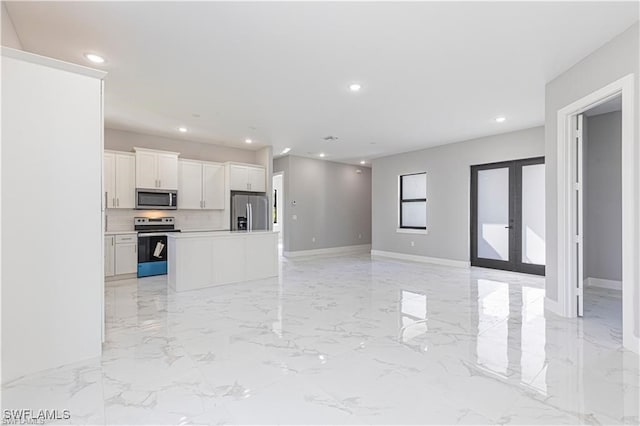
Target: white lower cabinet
[(121, 254), (109, 256), (126, 254), (203, 259)]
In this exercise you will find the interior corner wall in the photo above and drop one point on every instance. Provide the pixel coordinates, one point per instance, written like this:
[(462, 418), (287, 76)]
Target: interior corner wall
[(448, 191), (614, 60), (9, 35), (121, 140), (331, 202), (602, 146)]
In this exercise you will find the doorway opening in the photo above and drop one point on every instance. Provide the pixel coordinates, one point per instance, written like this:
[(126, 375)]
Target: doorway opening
[(571, 190), (599, 191), (278, 208), (508, 216)]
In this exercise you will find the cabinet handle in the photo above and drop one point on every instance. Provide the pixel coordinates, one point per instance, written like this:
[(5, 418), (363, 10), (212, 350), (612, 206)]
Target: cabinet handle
[(159, 183), (113, 202), (112, 240), (117, 202), (204, 204)]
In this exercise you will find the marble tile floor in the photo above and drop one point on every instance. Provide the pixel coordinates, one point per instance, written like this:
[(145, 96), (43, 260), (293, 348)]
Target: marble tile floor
[(348, 340)]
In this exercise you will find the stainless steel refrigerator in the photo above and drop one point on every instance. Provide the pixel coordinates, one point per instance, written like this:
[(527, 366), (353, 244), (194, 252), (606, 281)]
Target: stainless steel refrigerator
[(249, 211)]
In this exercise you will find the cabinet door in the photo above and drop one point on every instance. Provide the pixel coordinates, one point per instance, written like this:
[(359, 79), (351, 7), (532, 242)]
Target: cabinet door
[(167, 171), (109, 171), (213, 186), (189, 184), (109, 251), (256, 179), (238, 178), (146, 170), (125, 181), (126, 258)]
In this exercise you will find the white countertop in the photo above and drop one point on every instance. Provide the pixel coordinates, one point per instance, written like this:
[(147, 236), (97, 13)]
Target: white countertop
[(120, 232), (203, 234)]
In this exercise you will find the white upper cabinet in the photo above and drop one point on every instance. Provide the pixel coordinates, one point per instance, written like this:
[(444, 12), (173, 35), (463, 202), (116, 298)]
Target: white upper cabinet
[(109, 183), (213, 192), (247, 178), (156, 169), (119, 180), (189, 184), (201, 185), (146, 170), (256, 179), (168, 171)]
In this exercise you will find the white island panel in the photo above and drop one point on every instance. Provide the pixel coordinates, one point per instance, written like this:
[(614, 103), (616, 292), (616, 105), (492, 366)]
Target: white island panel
[(203, 259)]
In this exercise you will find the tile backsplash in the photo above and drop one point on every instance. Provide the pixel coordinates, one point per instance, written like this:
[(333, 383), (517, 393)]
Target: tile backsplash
[(122, 219)]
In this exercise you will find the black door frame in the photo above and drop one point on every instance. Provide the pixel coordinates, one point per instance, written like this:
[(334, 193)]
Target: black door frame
[(515, 218)]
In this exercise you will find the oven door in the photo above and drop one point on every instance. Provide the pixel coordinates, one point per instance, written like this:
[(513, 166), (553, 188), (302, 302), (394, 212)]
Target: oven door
[(156, 199), (152, 255)]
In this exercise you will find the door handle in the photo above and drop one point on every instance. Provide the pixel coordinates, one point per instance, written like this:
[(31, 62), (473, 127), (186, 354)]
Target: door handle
[(508, 227)]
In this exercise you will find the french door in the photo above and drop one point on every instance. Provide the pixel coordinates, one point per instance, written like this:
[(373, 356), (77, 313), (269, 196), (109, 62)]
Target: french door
[(508, 216)]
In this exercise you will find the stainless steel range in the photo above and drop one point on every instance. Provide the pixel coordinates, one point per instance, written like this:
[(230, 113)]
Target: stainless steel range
[(152, 244)]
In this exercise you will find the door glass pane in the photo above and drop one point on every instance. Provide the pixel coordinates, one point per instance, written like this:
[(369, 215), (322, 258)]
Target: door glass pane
[(414, 214), (414, 186), (533, 243), (493, 214)]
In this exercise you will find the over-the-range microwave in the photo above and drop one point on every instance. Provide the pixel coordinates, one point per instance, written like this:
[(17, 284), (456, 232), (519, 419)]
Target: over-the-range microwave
[(156, 199)]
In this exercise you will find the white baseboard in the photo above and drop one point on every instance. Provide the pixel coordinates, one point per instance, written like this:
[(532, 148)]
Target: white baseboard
[(363, 248), (421, 259), (602, 283), (553, 306)]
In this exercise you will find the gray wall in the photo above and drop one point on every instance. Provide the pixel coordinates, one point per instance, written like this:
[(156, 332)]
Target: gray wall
[(603, 197), (612, 61), (448, 191), (120, 140), (333, 203)]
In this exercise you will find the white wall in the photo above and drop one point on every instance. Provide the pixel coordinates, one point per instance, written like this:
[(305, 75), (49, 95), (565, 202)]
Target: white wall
[(52, 275), (448, 191), (614, 60), (603, 196), (9, 35)]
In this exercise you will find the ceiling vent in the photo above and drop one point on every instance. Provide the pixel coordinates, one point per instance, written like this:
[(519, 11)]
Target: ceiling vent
[(330, 138)]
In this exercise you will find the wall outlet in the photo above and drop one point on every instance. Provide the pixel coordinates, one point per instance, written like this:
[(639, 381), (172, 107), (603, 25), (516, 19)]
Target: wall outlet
[(413, 244), (313, 239)]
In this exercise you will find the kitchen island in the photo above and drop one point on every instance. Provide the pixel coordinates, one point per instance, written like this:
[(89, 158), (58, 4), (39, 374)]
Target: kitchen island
[(203, 259)]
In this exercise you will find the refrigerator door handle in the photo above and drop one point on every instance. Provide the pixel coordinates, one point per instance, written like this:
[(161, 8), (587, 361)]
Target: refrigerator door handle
[(250, 225)]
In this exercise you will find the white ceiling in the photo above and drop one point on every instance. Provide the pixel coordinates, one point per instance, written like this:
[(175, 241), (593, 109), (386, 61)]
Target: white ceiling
[(432, 73)]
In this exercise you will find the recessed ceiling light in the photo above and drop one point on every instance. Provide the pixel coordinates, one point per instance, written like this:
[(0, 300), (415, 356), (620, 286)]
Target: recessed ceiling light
[(96, 59), (363, 162), (321, 154), (355, 87), (248, 141), (286, 150), (182, 129), (501, 119)]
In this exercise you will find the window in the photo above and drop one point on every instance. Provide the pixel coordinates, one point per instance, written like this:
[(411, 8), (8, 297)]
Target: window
[(413, 201)]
